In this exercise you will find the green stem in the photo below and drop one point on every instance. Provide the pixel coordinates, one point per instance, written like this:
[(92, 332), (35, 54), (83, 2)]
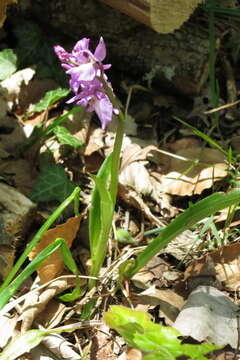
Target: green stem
[(116, 157), (118, 141), (38, 237)]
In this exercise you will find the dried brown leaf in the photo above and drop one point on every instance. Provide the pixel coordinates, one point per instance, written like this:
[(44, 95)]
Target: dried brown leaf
[(131, 198), (37, 301), (95, 143), (52, 315), (8, 323), (137, 177), (170, 302), (103, 345), (53, 265), (226, 262), (200, 169)]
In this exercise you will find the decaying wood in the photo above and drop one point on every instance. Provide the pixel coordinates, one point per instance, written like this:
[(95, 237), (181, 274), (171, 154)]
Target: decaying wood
[(177, 59)]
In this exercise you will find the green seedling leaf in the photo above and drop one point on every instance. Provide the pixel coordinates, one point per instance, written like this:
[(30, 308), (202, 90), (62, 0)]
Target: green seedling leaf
[(52, 184), (199, 211), (124, 237), (205, 137), (74, 295), (65, 137), (23, 344), (156, 341), (8, 61), (50, 98)]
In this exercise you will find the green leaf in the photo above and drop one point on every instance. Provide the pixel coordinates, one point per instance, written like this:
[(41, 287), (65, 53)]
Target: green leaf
[(156, 341), (52, 184), (50, 98), (8, 61), (65, 137), (23, 344), (159, 355), (100, 217), (94, 212)]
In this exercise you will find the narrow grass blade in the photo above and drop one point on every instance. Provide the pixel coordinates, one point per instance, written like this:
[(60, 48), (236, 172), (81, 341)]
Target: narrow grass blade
[(204, 208), (205, 137), (10, 290)]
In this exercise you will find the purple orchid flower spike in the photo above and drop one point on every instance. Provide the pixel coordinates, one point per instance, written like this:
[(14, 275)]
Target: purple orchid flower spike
[(85, 69), (82, 65)]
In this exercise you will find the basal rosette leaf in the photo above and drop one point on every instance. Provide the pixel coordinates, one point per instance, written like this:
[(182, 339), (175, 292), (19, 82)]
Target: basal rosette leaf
[(52, 184), (50, 98), (156, 341), (65, 137)]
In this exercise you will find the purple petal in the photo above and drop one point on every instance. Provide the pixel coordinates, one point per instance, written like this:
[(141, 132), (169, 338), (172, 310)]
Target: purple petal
[(81, 45), (74, 85), (84, 72), (100, 52), (107, 66), (104, 110), (61, 52)]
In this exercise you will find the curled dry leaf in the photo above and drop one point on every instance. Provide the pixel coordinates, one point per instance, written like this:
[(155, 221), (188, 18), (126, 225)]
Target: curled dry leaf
[(60, 347), (37, 301), (132, 198), (170, 302), (200, 169), (8, 323), (53, 265), (226, 262), (137, 177), (133, 172)]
